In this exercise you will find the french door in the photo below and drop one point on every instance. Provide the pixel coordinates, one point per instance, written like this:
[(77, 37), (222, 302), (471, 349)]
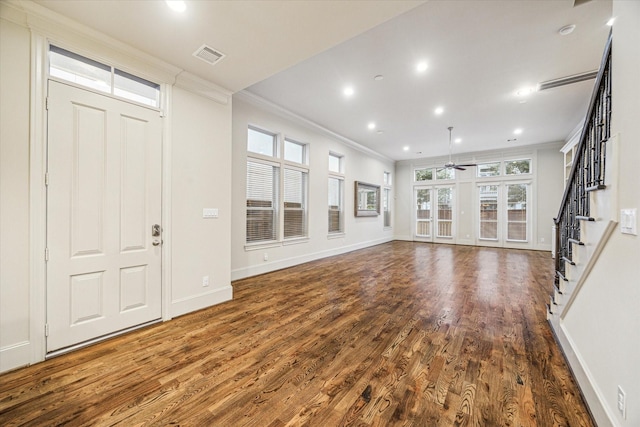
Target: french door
[(103, 215), (503, 214), (434, 218)]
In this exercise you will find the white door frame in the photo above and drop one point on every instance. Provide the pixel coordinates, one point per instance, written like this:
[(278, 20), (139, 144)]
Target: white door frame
[(38, 193)]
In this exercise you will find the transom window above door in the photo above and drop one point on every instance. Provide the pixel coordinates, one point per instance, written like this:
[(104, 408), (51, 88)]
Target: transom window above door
[(82, 71)]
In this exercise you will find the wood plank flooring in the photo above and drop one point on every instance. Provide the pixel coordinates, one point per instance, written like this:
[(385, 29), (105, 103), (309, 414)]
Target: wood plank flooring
[(400, 334)]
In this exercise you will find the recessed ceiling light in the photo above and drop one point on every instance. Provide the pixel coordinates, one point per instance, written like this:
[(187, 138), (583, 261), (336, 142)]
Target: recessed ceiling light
[(405, 148), (458, 140), (348, 91), (422, 67), (371, 125), (518, 131), (526, 90), (566, 30), (378, 77), (176, 5), (611, 21), (439, 110)]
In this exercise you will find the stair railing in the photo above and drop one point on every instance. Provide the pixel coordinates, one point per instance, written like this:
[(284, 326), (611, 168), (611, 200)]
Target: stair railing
[(587, 172)]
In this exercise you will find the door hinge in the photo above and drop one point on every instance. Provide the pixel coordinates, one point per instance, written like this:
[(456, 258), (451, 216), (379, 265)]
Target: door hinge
[(46, 329), (46, 254), (46, 103), (46, 178)]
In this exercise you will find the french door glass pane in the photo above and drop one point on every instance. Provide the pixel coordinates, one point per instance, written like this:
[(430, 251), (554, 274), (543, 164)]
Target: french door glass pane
[(423, 212), (445, 212), (489, 212), (517, 212)]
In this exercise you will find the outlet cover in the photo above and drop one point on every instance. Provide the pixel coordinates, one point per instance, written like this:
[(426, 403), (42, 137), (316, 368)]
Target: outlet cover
[(205, 281)]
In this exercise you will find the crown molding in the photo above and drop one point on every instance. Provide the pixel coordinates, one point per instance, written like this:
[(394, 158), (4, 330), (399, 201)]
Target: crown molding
[(199, 86), (258, 101)]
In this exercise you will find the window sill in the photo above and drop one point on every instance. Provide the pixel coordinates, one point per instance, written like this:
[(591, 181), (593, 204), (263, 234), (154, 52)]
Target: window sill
[(336, 235), (295, 241), (258, 246)]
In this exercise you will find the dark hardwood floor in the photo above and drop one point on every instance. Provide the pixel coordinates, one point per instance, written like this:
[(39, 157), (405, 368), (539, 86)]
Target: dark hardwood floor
[(400, 334)]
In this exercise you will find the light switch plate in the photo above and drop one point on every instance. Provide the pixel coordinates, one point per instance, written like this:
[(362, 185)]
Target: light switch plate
[(628, 221), (210, 213)]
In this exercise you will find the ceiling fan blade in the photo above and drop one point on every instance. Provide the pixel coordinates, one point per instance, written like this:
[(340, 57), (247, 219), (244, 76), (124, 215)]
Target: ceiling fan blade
[(467, 164), (459, 168)]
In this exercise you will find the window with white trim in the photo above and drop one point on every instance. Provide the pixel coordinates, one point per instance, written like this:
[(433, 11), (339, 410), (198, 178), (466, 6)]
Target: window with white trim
[(336, 194), (336, 210), (517, 167), (386, 199), (82, 71), (386, 206), (488, 169), (277, 188), (336, 163), (445, 173), (424, 174)]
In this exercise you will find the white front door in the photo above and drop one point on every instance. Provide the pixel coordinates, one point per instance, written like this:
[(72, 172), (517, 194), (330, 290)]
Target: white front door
[(103, 198)]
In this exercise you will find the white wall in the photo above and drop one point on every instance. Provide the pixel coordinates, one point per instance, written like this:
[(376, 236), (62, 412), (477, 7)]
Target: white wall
[(603, 323), (200, 178), (546, 192), (359, 232), (14, 193)]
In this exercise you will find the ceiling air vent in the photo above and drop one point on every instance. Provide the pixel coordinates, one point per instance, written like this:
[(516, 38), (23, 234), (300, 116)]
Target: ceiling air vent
[(562, 81), (208, 54)]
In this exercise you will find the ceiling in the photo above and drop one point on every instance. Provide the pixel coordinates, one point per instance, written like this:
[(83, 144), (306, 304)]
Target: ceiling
[(300, 55)]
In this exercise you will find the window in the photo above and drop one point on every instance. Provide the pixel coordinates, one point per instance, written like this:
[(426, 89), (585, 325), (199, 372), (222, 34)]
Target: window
[(423, 212), (386, 178), (445, 212), (335, 163), (517, 167), (423, 174), (386, 207), (277, 192), (295, 203), (262, 214), (488, 169), (488, 212), (517, 212), (261, 142), (446, 173), (77, 69), (295, 152), (336, 211)]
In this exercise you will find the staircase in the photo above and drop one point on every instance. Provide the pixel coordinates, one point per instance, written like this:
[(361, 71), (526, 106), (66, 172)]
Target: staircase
[(585, 222)]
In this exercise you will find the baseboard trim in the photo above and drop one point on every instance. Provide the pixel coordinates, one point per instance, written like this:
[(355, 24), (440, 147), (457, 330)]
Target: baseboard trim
[(15, 356), (245, 272), (587, 387), (200, 301)]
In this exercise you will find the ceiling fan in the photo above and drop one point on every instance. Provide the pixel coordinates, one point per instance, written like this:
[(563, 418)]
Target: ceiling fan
[(450, 164)]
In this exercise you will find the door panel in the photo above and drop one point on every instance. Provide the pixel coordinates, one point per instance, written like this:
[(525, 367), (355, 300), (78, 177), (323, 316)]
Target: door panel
[(104, 168)]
